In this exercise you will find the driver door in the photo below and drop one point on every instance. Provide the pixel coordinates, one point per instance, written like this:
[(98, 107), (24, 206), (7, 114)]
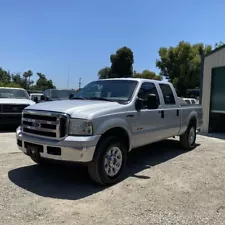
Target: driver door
[(147, 123)]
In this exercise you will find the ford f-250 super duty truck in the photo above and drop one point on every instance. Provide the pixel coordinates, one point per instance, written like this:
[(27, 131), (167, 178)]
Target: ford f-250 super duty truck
[(104, 121)]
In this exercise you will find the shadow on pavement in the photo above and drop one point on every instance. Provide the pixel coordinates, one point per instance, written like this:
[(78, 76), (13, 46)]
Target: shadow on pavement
[(213, 135), (73, 182)]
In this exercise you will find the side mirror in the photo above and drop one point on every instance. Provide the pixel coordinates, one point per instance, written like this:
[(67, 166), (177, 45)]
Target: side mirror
[(138, 104), (152, 102)]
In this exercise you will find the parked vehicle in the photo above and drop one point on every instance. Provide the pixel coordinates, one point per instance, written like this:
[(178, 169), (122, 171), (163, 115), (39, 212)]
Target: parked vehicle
[(104, 121), (193, 93), (57, 94), (37, 97), (191, 101), (12, 103)]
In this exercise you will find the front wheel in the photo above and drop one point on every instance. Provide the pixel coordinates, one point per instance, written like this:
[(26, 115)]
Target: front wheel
[(109, 161), (188, 139)]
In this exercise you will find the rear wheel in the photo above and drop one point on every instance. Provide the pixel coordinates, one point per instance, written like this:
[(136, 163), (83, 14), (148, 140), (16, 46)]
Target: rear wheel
[(188, 139), (109, 161)]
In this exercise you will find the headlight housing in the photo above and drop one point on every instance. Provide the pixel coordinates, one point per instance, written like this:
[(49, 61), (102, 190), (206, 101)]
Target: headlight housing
[(80, 127)]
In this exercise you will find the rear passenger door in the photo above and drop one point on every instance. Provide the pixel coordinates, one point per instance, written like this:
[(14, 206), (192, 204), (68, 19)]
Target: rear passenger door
[(171, 112)]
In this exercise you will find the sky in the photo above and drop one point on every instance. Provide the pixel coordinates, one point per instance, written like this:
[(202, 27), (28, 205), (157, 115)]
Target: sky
[(72, 39)]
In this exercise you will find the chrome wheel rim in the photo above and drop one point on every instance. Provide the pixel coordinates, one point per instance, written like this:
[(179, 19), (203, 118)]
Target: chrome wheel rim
[(191, 136), (113, 161)]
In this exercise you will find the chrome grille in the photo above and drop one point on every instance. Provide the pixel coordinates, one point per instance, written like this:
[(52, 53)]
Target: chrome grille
[(45, 124), (12, 108)]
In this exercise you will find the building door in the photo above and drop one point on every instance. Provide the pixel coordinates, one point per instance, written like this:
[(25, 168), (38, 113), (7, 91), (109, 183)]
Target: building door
[(217, 102)]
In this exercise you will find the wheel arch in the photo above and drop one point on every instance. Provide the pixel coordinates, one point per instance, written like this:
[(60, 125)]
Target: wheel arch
[(119, 132), (193, 120)]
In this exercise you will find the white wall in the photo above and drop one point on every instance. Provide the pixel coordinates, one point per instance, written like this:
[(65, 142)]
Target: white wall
[(216, 59)]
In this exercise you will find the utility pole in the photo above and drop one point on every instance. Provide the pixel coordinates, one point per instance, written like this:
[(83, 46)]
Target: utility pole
[(68, 76), (79, 83)]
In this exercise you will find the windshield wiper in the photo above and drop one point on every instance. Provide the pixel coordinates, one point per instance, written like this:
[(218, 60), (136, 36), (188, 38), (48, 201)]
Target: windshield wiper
[(101, 99)]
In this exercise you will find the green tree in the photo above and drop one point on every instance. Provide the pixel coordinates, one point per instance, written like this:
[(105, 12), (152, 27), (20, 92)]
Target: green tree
[(218, 44), (122, 63), (181, 64), (146, 74), (18, 80), (104, 73), (9, 85), (5, 77), (27, 75), (43, 83)]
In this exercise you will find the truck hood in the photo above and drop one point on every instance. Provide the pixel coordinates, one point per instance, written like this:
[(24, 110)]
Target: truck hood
[(77, 108), (16, 101)]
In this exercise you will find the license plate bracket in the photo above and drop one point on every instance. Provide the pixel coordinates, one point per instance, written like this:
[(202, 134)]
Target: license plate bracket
[(33, 152)]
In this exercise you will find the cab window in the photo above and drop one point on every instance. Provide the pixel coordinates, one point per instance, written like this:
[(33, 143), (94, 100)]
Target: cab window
[(146, 89)]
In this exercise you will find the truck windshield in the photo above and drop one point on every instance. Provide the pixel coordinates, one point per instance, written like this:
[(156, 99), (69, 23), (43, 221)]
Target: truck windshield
[(13, 93), (111, 90), (61, 94)]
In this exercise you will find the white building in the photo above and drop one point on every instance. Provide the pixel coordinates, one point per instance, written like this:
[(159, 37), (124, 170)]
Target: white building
[(213, 91)]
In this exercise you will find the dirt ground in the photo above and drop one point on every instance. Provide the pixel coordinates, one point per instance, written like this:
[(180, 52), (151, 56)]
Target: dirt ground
[(162, 185)]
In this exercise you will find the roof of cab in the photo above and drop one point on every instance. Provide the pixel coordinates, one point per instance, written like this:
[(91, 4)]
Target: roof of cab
[(137, 79), (12, 88)]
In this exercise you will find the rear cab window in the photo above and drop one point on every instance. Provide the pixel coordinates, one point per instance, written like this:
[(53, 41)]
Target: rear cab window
[(168, 95)]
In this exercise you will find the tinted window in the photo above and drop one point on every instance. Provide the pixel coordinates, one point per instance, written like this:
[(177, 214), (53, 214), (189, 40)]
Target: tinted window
[(167, 94), (47, 93), (146, 89), (61, 94)]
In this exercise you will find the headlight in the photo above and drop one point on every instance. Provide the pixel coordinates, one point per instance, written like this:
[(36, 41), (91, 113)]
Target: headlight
[(80, 127)]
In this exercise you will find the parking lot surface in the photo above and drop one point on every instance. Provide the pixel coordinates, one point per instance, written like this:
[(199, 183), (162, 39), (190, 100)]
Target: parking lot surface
[(162, 185)]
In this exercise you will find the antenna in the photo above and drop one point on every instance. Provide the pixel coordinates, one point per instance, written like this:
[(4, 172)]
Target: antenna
[(79, 83)]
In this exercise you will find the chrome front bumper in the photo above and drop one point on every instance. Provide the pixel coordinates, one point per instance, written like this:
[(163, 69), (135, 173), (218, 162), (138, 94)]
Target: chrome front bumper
[(74, 149)]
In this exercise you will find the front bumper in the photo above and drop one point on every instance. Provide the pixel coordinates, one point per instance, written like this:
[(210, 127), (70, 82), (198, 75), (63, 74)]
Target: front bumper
[(73, 149)]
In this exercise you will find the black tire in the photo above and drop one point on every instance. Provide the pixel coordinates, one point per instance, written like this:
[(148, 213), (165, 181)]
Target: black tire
[(96, 168), (184, 138)]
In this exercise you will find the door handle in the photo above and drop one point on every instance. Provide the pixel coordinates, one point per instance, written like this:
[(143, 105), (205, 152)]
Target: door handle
[(162, 114), (130, 115), (178, 112)]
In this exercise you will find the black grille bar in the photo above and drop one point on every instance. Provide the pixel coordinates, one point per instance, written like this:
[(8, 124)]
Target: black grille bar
[(12, 108)]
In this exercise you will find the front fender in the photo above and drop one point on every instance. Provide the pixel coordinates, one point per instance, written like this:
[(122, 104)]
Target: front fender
[(108, 124)]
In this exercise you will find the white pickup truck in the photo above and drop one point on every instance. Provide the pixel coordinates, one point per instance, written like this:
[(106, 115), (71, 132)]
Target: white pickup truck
[(12, 103), (104, 121)]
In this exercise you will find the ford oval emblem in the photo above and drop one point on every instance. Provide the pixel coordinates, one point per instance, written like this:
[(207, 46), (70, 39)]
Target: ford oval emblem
[(37, 125)]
